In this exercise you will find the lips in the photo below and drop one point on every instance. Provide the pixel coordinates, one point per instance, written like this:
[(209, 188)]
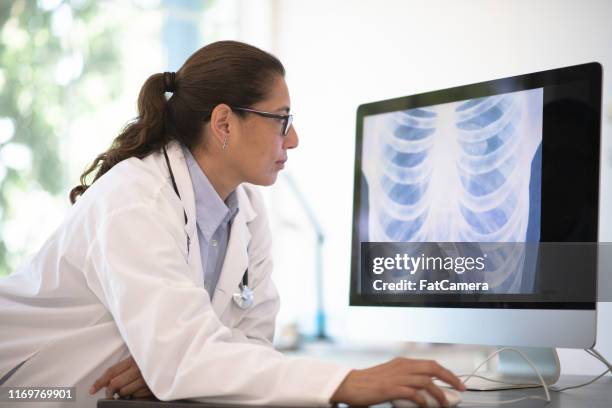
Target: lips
[(281, 164)]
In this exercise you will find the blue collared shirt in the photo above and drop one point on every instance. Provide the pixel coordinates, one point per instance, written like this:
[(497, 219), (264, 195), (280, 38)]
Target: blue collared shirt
[(213, 219)]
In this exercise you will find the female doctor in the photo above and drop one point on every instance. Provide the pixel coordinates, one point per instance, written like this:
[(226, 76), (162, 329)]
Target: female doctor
[(160, 276)]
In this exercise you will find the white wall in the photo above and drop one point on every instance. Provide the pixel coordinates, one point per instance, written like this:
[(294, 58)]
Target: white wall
[(339, 54)]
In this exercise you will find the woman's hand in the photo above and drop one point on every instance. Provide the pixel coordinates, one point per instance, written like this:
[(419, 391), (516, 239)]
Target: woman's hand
[(399, 378), (125, 379)]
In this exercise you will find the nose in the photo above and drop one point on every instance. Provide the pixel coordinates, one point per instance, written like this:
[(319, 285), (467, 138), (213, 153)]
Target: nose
[(291, 141)]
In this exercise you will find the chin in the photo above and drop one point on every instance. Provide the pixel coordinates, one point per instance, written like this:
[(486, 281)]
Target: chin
[(266, 180)]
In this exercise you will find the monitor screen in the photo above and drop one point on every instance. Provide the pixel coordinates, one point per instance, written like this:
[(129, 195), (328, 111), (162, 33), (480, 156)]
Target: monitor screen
[(474, 196)]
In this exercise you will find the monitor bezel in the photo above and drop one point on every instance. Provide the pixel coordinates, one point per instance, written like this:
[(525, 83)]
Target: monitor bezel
[(590, 72)]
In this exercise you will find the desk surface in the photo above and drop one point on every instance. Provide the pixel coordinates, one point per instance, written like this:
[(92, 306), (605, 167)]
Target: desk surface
[(596, 395)]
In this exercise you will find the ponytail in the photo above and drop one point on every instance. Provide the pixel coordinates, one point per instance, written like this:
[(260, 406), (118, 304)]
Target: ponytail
[(139, 138)]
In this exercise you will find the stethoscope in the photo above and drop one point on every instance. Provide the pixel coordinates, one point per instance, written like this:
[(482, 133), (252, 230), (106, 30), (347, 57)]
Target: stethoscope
[(245, 298)]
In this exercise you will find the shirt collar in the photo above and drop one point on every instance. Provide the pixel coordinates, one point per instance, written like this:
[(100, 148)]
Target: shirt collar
[(211, 211)]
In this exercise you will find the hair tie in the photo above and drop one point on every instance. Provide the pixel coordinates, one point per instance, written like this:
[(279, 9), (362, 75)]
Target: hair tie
[(169, 78)]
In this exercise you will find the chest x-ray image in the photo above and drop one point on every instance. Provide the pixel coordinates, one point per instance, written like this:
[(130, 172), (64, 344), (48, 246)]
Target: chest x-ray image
[(466, 171)]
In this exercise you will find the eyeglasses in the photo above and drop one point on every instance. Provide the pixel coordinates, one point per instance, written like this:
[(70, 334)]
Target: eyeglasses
[(287, 119)]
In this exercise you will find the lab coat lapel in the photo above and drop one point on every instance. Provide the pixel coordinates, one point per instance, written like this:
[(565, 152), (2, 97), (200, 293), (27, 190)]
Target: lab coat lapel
[(185, 188), (236, 257)]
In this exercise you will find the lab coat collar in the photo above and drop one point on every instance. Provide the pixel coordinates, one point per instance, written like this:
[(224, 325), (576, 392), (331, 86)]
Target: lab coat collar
[(236, 258), (211, 210), (183, 183), (185, 187)]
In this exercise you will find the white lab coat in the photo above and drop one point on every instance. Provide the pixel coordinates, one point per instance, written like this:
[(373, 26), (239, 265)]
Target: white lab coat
[(116, 279)]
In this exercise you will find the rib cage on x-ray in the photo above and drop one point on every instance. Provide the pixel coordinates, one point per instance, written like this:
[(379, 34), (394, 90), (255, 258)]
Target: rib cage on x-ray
[(457, 172)]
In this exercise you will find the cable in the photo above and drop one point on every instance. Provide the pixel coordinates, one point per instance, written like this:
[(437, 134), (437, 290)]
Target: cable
[(571, 387), (501, 381), (591, 351), (598, 355), (533, 367), (496, 403), (538, 385)]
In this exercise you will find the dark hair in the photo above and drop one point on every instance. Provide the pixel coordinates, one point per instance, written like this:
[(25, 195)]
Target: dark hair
[(229, 72)]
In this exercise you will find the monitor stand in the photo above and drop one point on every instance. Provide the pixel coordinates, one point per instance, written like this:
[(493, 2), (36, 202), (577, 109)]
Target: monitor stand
[(513, 369)]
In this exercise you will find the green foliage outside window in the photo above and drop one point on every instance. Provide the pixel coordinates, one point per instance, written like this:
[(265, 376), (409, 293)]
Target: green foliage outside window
[(51, 52)]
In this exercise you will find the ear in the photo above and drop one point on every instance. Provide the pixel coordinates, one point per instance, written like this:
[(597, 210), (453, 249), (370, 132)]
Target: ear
[(220, 122)]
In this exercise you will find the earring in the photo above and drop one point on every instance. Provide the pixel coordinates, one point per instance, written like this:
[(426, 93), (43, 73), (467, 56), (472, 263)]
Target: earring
[(225, 143)]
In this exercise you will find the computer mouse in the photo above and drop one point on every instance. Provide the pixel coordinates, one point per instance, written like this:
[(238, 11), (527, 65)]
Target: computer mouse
[(453, 397)]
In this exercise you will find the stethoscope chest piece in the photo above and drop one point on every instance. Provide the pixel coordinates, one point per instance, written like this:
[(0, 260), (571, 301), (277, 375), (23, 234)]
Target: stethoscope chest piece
[(244, 299)]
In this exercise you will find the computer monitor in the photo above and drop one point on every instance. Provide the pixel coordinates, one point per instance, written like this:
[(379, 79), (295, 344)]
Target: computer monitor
[(502, 174)]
